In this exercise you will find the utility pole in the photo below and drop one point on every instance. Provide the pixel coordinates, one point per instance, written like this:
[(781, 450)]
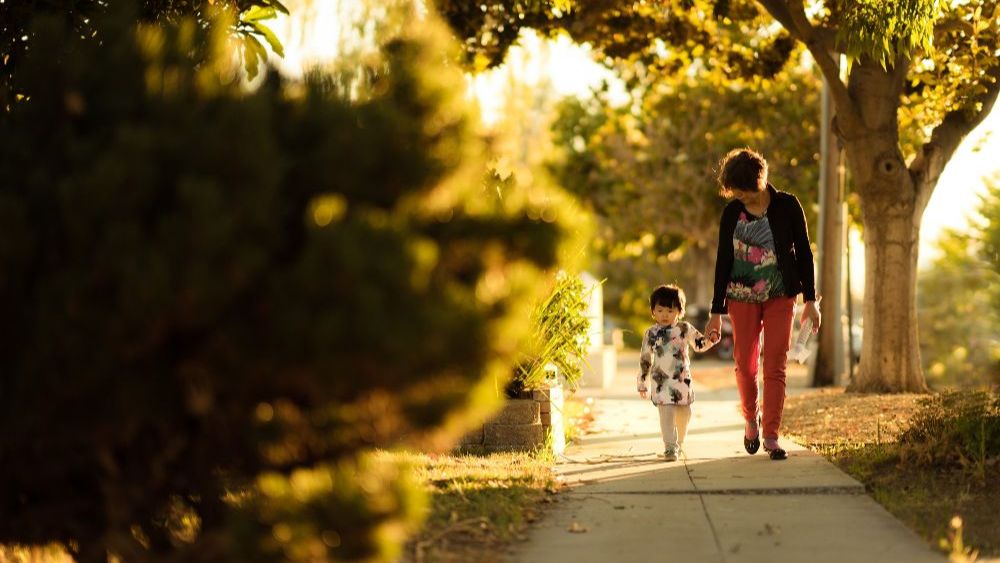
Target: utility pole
[(828, 366)]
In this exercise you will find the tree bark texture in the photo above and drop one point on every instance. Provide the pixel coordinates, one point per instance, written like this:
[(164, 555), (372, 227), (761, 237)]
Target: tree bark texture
[(891, 210)]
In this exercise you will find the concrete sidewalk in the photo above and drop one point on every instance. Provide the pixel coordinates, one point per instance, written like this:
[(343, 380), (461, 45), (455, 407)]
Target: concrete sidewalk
[(715, 504)]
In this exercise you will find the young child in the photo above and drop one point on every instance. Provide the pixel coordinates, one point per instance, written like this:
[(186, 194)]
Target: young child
[(664, 359)]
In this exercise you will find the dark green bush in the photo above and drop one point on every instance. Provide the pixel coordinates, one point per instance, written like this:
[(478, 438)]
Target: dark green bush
[(216, 302), (955, 429)]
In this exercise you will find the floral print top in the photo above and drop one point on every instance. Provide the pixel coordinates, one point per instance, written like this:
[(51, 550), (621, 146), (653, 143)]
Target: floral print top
[(664, 359), (755, 277)]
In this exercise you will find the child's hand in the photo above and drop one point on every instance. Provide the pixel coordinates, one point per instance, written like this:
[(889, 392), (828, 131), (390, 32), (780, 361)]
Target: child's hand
[(642, 394), (714, 337)]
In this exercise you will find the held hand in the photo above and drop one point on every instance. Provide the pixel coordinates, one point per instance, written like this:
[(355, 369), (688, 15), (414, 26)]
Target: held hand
[(713, 330), (811, 311), (642, 394)]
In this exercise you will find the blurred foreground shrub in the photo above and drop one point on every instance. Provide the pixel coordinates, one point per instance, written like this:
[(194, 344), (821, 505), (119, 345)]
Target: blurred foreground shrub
[(216, 302)]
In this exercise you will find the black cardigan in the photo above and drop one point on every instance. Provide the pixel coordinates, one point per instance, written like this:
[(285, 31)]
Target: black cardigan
[(791, 245)]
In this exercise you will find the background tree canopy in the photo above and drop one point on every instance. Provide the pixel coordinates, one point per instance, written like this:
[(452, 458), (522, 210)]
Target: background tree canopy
[(923, 74), (17, 35), (648, 168), (218, 302)]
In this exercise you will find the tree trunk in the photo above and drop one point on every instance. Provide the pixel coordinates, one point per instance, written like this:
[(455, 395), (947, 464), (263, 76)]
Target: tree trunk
[(890, 349), (893, 194), (891, 209), (890, 212)]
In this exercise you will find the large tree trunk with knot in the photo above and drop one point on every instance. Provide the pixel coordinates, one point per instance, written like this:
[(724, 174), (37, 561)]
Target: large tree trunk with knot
[(892, 204), (893, 193), (890, 350)]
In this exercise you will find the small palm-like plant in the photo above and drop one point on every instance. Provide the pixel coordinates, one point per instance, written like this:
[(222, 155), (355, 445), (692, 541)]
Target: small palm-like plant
[(560, 336)]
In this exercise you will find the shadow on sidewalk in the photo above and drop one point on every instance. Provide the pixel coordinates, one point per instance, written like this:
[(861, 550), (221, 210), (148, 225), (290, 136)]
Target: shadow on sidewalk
[(710, 508), (586, 441)]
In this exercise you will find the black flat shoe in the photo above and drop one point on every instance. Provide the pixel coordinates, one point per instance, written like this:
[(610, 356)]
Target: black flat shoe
[(752, 445), (777, 454)]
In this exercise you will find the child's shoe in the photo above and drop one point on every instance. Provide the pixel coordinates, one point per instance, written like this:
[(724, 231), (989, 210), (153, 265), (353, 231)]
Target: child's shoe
[(670, 454)]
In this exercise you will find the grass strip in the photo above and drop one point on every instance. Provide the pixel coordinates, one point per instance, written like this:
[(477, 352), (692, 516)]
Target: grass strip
[(479, 504), (913, 480)]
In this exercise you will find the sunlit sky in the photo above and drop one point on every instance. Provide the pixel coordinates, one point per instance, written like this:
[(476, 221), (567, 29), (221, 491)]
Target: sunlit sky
[(310, 37)]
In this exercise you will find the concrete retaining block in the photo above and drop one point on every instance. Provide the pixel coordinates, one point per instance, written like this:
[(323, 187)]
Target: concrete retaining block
[(518, 411), (474, 437), (523, 436)]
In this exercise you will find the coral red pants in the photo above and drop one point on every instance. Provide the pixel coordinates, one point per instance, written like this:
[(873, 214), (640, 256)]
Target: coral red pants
[(774, 317)]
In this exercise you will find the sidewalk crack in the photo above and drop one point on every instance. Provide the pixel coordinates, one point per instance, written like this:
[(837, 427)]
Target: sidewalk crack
[(704, 508)]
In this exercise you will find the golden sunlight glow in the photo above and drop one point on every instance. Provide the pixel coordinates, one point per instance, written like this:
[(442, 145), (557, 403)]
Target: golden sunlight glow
[(956, 198), (564, 67), (312, 36)]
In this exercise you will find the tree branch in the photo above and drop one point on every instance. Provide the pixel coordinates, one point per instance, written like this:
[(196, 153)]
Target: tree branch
[(930, 161), (791, 14), (944, 27), (781, 12)]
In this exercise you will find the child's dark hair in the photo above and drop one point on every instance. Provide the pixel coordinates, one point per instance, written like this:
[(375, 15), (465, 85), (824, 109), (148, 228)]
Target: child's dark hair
[(667, 296), (744, 170)]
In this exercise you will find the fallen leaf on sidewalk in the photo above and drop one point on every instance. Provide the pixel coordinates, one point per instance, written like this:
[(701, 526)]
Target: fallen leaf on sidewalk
[(576, 528), (769, 530)]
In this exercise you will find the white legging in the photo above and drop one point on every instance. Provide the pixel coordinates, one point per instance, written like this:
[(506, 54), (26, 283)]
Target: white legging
[(674, 424)]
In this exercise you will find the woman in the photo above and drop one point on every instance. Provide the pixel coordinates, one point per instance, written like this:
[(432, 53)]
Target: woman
[(764, 262)]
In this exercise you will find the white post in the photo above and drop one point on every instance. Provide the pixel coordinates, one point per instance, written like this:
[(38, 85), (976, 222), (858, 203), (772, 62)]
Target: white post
[(601, 361)]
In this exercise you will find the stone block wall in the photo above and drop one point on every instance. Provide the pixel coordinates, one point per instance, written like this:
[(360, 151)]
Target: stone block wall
[(522, 425)]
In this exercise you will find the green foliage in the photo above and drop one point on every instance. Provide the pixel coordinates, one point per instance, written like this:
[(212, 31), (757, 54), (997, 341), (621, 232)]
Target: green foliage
[(958, 303), (953, 74), (251, 29), (950, 47), (883, 29), (665, 36), (216, 302), (346, 510), (17, 34), (489, 30), (561, 335), (956, 429), (647, 171), (988, 237)]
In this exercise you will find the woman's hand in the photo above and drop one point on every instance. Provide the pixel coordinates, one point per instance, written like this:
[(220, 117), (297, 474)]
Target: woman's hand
[(811, 311), (713, 330)]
